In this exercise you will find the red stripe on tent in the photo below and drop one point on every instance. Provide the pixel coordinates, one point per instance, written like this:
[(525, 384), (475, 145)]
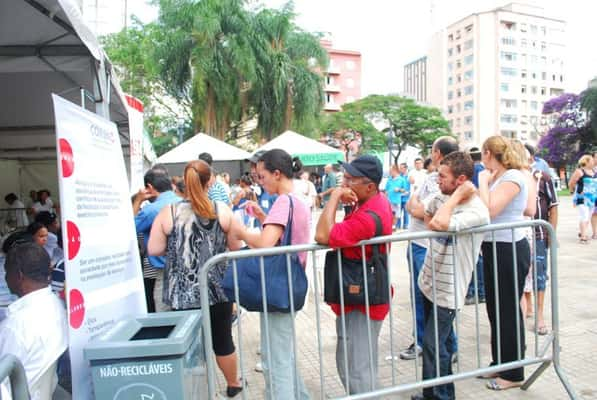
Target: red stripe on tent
[(135, 103)]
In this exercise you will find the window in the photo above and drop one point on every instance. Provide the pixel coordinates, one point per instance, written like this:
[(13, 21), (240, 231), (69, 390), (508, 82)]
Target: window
[(458, 64), (450, 109), (508, 41), (523, 27), (328, 80), (508, 118), (523, 58), (523, 43), (450, 80), (534, 29), (469, 28), (468, 44), (534, 59), (459, 93), (523, 74), (508, 71), (468, 60), (543, 60), (543, 30), (458, 78), (508, 56), (458, 108), (523, 89), (457, 35), (468, 120), (328, 98), (350, 65), (450, 123), (450, 67), (543, 46), (468, 90), (533, 89), (451, 37), (553, 77), (543, 91), (507, 25), (533, 121), (534, 105), (524, 106), (468, 105), (450, 95), (509, 134), (508, 103), (457, 122), (561, 78), (468, 75), (544, 76), (524, 120), (534, 75), (468, 135), (450, 52), (458, 49), (504, 87)]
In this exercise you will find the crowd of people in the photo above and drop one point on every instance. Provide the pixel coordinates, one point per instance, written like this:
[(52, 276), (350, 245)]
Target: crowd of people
[(181, 222)]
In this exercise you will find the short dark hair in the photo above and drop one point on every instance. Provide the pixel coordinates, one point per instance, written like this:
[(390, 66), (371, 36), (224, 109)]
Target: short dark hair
[(45, 217), (46, 191), (475, 153), (278, 159), (459, 163), (445, 145), (206, 157), (158, 179), (9, 198), (531, 149), (16, 238), (160, 168), (418, 159), (35, 226), (427, 163), (31, 260)]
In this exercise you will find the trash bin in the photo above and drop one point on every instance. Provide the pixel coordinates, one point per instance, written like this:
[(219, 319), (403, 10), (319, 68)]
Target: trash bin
[(155, 357)]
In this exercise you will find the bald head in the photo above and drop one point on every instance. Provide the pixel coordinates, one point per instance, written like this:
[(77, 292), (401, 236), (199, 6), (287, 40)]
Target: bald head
[(443, 146), (328, 168)]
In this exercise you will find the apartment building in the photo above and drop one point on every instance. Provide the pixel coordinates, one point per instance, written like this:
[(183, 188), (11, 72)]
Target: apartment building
[(342, 78), (491, 72), (415, 79)]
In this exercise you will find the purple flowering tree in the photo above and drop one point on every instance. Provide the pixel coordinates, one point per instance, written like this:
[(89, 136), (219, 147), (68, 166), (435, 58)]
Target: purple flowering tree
[(570, 135)]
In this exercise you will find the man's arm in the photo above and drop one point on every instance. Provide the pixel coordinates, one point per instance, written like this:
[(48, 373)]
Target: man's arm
[(415, 207), (328, 216), (443, 216)]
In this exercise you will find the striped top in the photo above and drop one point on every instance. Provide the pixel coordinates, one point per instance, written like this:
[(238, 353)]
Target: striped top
[(452, 257)]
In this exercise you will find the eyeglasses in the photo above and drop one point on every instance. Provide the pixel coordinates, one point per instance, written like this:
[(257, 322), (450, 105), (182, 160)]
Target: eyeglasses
[(352, 180)]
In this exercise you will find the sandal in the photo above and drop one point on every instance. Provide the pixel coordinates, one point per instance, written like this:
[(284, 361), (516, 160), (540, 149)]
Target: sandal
[(495, 385)]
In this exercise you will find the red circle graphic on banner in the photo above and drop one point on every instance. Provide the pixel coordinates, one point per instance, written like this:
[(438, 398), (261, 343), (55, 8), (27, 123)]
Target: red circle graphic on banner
[(76, 312), (74, 239), (66, 158)]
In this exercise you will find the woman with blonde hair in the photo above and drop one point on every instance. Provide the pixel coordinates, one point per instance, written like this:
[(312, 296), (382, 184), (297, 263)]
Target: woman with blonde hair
[(576, 184), (190, 233), (504, 189)]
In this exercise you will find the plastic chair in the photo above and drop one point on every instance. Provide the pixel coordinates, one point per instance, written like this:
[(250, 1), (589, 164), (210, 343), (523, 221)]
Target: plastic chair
[(43, 388)]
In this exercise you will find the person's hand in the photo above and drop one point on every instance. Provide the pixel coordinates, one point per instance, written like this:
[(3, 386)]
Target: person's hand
[(465, 191), (345, 195), (485, 177), (252, 208), (142, 195)]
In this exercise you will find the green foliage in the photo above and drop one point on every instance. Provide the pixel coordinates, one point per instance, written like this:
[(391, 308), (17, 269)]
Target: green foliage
[(409, 123), (588, 103)]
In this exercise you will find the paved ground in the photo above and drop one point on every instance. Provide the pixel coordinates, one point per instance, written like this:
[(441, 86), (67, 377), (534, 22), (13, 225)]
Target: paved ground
[(577, 266)]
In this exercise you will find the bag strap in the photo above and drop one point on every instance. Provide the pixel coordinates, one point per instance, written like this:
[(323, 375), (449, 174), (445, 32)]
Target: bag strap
[(378, 230), (288, 229)]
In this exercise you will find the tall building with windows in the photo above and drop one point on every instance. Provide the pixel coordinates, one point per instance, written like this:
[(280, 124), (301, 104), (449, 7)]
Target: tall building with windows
[(415, 79), (342, 78), (491, 72)]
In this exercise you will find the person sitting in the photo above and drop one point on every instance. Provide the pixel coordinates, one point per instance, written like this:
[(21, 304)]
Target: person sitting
[(43, 203), (20, 215), (35, 329), (50, 221)]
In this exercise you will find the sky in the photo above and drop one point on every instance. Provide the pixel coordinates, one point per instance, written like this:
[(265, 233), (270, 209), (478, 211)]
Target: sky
[(391, 33)]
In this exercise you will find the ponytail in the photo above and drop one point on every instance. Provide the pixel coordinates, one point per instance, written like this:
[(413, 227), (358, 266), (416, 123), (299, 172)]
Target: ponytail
[(503, 151), (197, 175)]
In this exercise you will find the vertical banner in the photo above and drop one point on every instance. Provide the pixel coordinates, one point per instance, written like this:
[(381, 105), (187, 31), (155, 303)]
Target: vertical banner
[(103, 273), (135, 110)]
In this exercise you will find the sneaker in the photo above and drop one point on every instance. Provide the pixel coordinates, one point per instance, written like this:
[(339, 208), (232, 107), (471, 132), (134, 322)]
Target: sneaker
[(413, 351), (259, 367)]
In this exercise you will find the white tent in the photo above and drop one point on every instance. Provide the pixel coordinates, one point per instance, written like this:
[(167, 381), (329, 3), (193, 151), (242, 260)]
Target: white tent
[(310, 152), (227, 158), (46, 48)]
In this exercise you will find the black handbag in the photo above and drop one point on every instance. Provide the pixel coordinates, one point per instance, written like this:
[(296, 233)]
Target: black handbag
[(353, 282)]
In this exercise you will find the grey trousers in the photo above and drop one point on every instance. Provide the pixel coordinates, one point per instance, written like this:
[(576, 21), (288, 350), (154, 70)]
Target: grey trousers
[(360, 369), (158, 293)]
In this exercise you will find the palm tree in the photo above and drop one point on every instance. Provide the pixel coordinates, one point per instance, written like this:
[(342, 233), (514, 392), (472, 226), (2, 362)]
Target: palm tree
[(288, 91)]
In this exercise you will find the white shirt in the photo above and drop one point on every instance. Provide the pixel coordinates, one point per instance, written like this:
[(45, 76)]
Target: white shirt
[(418, 177), (305, 190), (34, 331), (20, 214), (450, 276), (48, 206), (426, 192)]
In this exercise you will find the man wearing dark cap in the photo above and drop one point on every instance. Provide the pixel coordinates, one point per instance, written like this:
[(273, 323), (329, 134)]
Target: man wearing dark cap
[(360, 189), (35, 327)]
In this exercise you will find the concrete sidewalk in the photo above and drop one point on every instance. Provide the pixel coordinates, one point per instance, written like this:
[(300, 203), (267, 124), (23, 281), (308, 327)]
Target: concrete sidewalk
[(577, 269)]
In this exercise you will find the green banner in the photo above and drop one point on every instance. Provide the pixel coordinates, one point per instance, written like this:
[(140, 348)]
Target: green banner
[(319, 159)]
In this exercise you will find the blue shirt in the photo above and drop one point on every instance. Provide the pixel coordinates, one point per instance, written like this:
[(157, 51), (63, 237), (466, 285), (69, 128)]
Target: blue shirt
[(478, 168), (406, 187), (394, 183), (144, 219), (541, 165)]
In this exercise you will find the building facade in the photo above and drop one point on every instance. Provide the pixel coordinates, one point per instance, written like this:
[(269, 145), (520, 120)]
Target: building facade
[(342, 78), (104, 16), (491, 72), (415, 79)]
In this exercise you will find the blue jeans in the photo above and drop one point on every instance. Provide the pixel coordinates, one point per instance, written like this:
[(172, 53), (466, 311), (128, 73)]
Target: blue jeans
[(480, 281), (445, 334), (282, 368), (541, 260), (418, 253), (404, 218)]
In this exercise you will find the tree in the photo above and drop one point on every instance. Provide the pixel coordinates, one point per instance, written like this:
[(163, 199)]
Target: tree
[(288, 91), (570, 135), (405, 121), (588, 104)]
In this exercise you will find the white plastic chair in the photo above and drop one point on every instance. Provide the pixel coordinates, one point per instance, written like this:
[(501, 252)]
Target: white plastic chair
[(43, 388)]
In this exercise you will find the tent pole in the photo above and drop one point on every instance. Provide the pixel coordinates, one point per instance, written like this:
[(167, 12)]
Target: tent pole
[(82, 98)]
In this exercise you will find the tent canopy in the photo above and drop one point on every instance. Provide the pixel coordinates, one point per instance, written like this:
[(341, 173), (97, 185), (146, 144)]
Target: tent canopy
[(46, 48), (190, 149), (309, 151)]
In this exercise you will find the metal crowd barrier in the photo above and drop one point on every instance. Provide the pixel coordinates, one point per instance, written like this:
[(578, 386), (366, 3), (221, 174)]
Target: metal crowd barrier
[(11, 367), (13, 218), (541, 354)]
